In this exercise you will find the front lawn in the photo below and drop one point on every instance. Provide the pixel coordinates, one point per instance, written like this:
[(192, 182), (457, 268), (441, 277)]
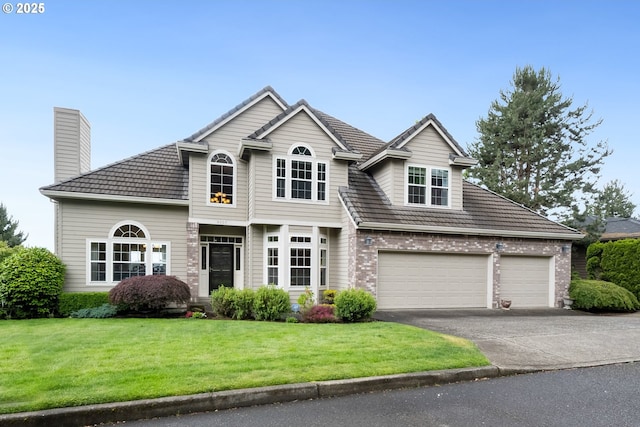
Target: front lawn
[(49, 363)]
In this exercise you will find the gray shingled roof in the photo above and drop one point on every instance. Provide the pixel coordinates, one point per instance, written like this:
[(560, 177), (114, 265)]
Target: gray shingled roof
[(482, 210), (621, 228), (153, 174), (352, 138)]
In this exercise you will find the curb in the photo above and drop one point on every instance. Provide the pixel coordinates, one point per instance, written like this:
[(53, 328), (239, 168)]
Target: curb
[(205, 402)]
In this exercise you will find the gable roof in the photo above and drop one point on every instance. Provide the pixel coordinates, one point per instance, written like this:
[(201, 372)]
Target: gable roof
[(396, 148), (484, 213), (156, 174), (267, 91)]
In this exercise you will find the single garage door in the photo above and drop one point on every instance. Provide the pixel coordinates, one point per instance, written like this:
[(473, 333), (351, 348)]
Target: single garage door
[(427, 280), (525, 280)]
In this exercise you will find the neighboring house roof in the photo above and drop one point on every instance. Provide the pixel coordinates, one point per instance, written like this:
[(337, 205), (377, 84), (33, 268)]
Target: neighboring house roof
[(484, 213), (621, 228), (155, 174)]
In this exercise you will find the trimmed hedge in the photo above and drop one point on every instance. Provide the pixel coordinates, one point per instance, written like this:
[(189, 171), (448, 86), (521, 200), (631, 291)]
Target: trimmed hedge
[(233, 303), (31, 281), (143, 293), (271, 303), (617, 262), (69, 302), (598, 295), (354, 305)]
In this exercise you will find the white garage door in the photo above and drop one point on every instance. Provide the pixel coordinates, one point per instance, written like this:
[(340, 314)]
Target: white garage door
[(525, 280), (420, 280)]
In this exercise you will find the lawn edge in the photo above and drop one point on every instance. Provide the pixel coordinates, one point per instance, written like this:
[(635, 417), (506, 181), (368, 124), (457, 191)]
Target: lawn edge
[(204, 402)]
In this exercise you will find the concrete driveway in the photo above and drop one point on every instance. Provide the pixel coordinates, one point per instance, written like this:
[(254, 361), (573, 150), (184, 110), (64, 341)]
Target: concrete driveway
[(539, 339)]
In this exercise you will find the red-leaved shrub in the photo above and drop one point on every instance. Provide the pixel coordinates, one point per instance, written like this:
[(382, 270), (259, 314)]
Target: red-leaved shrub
[(322, 313), (149, 292)]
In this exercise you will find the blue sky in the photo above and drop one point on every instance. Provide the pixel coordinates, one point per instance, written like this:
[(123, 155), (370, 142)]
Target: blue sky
[(147, 73)]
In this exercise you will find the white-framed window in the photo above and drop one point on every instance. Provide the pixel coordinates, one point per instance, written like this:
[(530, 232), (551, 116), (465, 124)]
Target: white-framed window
[(221, 179), (273, 249), (428, 186), (299, 176), (293, 258), (128, 251)]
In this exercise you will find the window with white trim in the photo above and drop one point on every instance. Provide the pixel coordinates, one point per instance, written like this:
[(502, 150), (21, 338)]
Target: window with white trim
[(300, 176), (301, 266), (221, 179), (428, 186), (127, 252), (272, 260)]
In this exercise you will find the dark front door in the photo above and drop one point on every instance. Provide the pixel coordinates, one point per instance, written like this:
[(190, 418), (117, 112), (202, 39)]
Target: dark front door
[(220, 266)]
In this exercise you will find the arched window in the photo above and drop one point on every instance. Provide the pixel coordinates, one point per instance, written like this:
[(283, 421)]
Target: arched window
[(301, 151), (128, 251), (221, 179), (129, 230)]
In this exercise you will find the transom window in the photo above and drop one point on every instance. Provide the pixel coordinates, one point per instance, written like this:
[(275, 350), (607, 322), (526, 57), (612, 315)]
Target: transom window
[(127, 252), (300, 176), (221, 179), (428, 186)]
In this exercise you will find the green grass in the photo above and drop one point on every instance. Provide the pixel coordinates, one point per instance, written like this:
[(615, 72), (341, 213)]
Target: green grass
[(49, 363)]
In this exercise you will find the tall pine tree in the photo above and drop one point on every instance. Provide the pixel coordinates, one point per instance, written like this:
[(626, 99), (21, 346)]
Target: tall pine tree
[(9, 229), (532, 146)]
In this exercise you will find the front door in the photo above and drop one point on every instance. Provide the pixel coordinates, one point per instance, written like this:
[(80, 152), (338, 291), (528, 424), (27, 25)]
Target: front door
[(220, 266)]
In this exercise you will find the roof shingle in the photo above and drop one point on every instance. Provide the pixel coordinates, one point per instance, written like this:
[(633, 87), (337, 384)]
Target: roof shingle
[(153, 174)]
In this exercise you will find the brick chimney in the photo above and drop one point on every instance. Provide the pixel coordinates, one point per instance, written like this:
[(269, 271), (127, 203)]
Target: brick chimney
[(71, 142)]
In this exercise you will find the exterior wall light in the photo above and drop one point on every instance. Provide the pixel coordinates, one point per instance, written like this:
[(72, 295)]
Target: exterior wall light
[(368, 241), (499, 246), (566, 249)]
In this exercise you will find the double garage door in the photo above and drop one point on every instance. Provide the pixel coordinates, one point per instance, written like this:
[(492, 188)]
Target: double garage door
[(430, 280)]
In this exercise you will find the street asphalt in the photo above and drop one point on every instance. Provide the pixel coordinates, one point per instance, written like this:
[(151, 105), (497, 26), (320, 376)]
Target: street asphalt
[(515, 341)]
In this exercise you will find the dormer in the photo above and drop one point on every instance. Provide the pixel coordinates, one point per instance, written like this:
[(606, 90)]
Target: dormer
[(421, 168)]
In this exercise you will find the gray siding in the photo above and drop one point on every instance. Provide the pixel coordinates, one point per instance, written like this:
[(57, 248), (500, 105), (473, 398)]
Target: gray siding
[(430, 149), (299, 129), (228, 138), (72, 143), (82, 220)]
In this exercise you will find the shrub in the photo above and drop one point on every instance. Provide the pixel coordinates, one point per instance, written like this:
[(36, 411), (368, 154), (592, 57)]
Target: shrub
[(102, 312), (597, 295), (270, 303), (354, 305), (329, 296), (6, 251), (222, 300), (143, 293), (243, 304), (617, 262), (305, 300), (68, 302), (323, 313), (30, 282)]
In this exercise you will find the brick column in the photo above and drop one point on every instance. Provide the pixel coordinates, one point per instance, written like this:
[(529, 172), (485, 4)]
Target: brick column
[(193, 274)]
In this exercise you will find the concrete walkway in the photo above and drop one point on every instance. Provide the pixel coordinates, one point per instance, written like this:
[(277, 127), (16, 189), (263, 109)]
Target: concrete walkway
[(515, 341)]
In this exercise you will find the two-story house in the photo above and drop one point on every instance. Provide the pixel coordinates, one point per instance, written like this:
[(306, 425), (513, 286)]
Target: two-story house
[(286, 194)]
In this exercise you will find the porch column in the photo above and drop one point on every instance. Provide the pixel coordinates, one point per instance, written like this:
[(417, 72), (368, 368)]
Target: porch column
[(193, 273)]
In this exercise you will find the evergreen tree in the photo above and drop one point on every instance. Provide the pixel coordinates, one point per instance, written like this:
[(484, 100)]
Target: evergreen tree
[(613, 201), (532, 146), (9, 229)]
